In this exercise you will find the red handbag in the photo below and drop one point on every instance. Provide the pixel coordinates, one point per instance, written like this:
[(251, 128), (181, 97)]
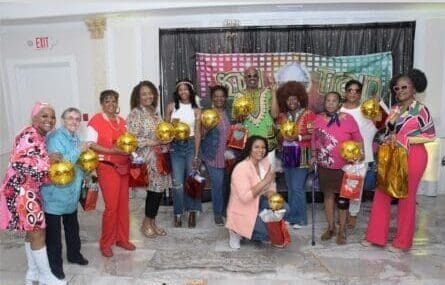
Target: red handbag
[(138, 175)]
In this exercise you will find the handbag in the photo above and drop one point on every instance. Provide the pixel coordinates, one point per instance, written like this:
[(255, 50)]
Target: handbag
[(237, 136), (138, 175), (89, 192)]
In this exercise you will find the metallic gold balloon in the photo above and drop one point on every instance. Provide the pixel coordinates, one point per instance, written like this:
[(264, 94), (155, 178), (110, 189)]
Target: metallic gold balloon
[(276, 202), (165, 132), (182, 131), (289, 130), (243, 106), (351, 150), (127, 142), (370, 109), (210, 118), (88, 160), (61, 173)]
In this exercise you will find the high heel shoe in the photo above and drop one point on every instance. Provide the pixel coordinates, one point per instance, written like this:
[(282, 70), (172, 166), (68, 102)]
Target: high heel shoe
[(148, 231)]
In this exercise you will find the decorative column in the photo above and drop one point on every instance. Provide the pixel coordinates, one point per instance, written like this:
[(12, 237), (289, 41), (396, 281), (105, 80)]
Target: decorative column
[(96, 26)]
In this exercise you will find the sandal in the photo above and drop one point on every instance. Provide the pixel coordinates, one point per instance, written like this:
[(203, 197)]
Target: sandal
[(328, 234), (160, 231), (148, 232)]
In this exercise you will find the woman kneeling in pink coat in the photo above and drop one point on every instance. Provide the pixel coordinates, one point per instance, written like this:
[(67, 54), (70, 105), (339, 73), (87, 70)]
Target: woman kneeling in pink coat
[(253, 180)]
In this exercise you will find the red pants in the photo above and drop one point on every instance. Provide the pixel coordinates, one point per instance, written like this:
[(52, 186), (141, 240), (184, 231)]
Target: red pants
[(116, 216), (378, 226)]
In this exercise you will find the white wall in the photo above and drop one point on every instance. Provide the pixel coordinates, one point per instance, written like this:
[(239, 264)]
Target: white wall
[(71, 44)]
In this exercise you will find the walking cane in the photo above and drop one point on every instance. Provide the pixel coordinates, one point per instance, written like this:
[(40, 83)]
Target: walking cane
[(313, 203)]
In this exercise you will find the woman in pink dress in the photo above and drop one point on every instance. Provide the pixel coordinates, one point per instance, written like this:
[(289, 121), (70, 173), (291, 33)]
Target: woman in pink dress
[(331, 129), (409, 125), (21, 207)]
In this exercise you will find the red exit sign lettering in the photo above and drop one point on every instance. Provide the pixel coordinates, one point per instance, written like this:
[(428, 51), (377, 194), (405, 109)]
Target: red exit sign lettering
[(41, 42)]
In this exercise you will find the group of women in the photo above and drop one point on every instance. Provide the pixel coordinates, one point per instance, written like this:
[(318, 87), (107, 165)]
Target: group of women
[(30, 203)]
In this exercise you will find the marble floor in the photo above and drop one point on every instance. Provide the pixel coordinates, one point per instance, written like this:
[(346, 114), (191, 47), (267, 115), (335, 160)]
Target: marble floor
[(202, 256)]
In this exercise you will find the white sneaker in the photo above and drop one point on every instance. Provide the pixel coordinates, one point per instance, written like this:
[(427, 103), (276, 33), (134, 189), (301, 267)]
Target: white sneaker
[(234, 240), (297, 227)]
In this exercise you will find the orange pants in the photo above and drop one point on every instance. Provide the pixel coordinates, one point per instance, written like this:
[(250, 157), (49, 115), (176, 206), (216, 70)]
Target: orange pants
[(379, 220), (116, 216)]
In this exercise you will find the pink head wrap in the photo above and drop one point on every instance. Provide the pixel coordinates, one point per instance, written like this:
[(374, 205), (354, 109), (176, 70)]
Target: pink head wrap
[(39, 106)]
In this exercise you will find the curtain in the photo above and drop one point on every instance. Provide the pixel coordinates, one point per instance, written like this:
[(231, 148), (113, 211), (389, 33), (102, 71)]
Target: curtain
[(179, 46)]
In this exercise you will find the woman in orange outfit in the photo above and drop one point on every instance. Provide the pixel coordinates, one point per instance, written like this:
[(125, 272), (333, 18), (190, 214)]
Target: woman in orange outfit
[(113, 173)]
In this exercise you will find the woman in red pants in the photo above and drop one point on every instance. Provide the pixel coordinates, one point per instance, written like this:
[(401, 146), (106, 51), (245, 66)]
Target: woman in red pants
[(410, 125), (113, 173)]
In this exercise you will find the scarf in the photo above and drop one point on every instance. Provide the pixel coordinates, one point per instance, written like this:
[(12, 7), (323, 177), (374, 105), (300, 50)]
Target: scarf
[(333, 118)]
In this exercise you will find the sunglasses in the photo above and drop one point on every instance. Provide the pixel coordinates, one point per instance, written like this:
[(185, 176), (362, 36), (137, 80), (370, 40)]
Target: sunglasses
[(252, 75), (398, 88)]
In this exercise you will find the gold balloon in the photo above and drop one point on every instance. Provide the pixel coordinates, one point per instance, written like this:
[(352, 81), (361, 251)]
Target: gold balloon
[(61, 173), (182, 131), (370, 109), (351, 150), (165, 132), (127, 142), (289, 130), (276, 202), (210, 118), (88, 160), (243, 106)]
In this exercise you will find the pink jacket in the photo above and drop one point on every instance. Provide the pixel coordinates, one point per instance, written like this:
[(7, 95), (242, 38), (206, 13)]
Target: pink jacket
[(242, 209)]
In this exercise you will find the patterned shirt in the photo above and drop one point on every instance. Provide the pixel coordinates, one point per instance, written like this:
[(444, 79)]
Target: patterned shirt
[(327, 140)]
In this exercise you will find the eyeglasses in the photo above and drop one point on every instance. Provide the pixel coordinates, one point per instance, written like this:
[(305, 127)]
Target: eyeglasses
[(356, 90), (398, 88)]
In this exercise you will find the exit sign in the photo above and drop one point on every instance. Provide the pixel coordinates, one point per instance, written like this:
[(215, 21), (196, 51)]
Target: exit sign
[(41, 42)]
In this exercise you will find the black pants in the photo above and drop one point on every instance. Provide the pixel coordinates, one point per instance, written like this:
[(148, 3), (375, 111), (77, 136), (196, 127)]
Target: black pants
[(152, 204), (54, 240)]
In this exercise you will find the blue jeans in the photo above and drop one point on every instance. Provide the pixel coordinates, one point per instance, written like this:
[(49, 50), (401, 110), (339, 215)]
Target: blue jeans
[(218, 189), (296, 195), (181, 156), (260, 232)]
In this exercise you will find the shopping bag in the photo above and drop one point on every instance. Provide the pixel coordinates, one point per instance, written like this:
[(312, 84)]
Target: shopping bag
[(138, 175), (89, 192), (397, 176), (194, 185), (291, 154), (278, 233), (384, 155), (351, 186), (163, 164), (237, 137)]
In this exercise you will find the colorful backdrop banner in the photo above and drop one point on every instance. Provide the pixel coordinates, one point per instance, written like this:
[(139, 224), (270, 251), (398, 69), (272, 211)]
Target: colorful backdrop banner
[(320, 74)]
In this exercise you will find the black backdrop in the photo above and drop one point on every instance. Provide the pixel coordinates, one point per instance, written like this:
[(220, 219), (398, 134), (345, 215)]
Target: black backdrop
[(179, 46)]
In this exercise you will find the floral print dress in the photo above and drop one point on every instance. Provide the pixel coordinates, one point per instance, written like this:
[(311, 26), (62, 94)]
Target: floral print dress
[(142, 124), (20, 200)]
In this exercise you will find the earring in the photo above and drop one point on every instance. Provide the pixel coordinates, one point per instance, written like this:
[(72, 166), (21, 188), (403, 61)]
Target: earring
[(118, 110)]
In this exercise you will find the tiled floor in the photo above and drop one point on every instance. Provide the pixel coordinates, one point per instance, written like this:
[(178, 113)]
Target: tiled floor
[(202, 256)]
